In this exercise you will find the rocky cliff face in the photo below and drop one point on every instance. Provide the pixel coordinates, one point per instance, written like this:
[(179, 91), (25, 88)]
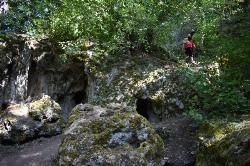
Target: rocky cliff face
[(30, 69)]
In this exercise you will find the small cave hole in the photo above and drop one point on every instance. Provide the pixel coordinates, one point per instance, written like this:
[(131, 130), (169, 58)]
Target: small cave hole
[(146, 108), (4, 106), (79, 97), (143, 106)]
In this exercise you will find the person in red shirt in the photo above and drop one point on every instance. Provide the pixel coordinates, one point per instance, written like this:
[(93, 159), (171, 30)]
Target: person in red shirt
[(189, 47)]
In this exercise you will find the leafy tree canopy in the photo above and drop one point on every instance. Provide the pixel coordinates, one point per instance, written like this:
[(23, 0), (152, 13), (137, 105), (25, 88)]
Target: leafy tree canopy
[(27, 15)]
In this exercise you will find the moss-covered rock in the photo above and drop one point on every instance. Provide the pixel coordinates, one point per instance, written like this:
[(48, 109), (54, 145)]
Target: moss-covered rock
[(109, 136), (225, 144), (130, 78), (22, 122)]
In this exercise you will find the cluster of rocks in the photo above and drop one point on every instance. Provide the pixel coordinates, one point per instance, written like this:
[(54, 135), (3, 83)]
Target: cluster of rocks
[(23, 122), (118, 135)]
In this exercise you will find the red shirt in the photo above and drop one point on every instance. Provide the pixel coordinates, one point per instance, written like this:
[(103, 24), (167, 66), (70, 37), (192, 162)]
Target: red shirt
[(189, 44)]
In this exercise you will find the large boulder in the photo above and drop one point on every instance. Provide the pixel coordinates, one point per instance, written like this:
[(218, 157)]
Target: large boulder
[(225, 144), (23, 122), (109, 136)]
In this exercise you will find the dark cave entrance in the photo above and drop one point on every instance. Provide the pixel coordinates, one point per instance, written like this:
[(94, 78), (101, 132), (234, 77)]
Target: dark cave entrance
[(68, 102), (146, 107), (79, 97), (4, 106), (143, 107)]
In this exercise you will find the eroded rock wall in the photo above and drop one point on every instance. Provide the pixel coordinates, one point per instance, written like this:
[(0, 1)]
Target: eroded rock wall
[(31, 69)]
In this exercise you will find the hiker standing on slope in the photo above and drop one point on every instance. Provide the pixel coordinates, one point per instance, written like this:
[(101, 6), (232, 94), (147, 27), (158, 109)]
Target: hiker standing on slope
[(189, 47)]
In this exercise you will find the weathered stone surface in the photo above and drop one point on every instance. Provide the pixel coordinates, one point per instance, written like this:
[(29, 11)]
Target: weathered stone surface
[(22, 122), (225, 144), (104, 136)]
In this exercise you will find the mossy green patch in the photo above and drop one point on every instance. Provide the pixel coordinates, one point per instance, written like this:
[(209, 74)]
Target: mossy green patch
[(224, 144)]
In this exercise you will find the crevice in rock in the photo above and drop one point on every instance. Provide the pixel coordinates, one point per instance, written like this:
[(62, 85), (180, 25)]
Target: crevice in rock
[(31, 73)]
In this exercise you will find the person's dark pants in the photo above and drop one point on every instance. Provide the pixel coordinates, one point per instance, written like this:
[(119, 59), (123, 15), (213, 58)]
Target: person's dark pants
[(189, 53)]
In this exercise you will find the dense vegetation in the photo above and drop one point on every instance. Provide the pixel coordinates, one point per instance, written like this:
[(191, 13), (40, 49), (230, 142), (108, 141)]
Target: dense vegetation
[(133, 27)]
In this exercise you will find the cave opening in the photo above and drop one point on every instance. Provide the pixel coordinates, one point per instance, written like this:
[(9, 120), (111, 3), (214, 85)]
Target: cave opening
[(4, 106), (145, 107), (68, 102), (79, 97)]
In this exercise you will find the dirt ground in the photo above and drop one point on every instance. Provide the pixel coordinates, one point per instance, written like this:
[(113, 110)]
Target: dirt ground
[(178, 134), (39, 152)]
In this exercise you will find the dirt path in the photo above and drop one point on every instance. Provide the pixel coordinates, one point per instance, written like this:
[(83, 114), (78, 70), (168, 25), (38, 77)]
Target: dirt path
[(39, 152), (178, 134)]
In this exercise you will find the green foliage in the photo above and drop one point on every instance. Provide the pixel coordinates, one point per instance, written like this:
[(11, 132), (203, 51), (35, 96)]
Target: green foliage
[(196, 115), (233, 54), (27, 15), (122, 26), (213, 93), (133, 27), (223, 36)]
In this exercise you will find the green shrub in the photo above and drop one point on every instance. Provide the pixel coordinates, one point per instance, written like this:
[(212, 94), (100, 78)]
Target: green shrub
[(213, 93)]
